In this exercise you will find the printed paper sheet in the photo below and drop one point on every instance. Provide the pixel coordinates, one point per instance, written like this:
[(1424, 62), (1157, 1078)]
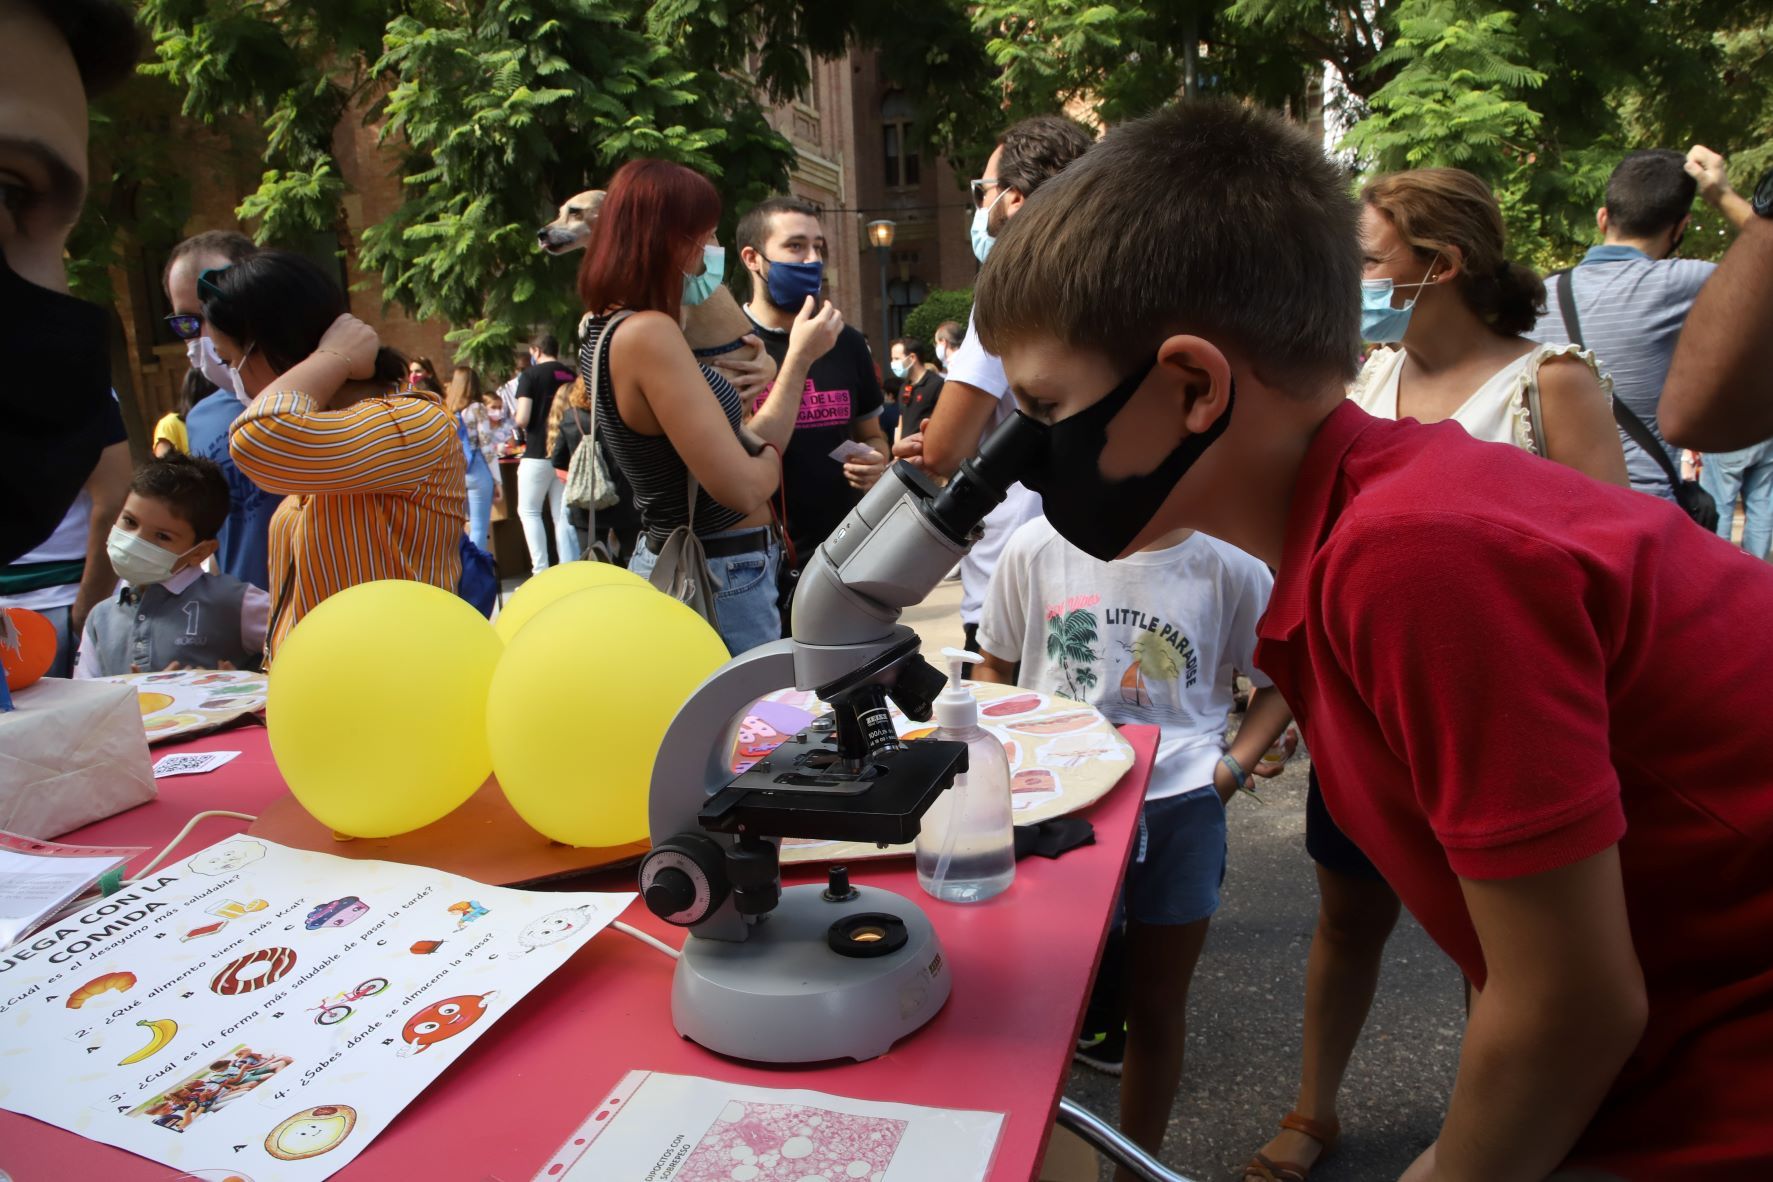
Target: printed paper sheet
[(678, 1128), (190, 701), (263, 1011)]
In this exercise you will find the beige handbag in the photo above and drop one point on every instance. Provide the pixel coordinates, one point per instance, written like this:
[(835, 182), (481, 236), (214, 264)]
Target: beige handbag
[(682, 569)]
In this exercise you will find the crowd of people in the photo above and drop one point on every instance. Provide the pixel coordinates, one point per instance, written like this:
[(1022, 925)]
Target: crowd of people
[(1464, 558)]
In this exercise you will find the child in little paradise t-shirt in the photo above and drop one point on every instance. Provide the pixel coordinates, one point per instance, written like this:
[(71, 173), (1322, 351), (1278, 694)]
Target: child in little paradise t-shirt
[(1154, 638)]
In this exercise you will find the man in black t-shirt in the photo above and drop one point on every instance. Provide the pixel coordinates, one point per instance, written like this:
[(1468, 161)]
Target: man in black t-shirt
[(923, 382), (783, 246), (539, 493)]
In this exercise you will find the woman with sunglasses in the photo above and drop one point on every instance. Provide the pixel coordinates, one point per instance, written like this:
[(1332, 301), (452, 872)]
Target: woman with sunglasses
[(373, 472)]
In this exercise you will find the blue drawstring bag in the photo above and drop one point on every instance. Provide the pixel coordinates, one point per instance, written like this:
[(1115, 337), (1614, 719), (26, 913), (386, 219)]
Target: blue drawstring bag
[(479, 581)]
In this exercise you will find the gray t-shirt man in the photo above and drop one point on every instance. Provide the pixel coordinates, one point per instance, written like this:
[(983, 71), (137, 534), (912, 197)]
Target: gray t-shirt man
[(1631, 308)]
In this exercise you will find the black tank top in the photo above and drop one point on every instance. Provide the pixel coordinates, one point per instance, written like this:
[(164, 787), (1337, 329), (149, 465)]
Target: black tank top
[(651, 465)]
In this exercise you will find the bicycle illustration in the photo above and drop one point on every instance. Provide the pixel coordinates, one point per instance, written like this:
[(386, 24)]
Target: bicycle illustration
[(336, 1009)]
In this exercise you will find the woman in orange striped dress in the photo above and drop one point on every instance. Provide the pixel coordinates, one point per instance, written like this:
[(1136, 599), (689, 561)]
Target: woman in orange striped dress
[(373, 472)]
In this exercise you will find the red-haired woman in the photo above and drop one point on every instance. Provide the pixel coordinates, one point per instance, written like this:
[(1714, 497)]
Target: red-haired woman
[(662, 417)]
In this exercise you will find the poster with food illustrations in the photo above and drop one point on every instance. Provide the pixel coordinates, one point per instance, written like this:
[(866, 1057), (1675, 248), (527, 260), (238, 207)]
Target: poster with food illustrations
[(1063, 755), (191, 701), (262, 1012)]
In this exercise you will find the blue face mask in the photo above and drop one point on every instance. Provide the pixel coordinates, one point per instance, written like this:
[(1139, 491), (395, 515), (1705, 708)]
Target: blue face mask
[(900, 369), (1380, 322), (787, 285), (697, 288), (982, 239)]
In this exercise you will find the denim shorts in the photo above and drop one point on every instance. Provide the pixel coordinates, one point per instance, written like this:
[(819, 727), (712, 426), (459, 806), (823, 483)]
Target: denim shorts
[(1178, 860), (745, 589)]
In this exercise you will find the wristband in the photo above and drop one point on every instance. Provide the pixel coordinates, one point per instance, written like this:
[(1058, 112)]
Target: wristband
[(345, 357), (1239, 775)]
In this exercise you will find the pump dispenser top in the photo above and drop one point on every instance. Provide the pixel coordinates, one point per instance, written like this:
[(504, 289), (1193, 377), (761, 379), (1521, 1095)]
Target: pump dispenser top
[(956, 707)]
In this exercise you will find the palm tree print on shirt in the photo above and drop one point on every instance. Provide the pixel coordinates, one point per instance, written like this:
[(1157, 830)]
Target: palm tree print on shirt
[(1071, 639)]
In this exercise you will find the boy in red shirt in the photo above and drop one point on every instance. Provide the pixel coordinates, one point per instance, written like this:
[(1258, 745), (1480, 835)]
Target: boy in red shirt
[(1537, 699)]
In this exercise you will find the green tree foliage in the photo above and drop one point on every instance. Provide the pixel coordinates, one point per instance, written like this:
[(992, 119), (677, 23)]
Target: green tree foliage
[(499, 109), (938, 308), (1542, 100)]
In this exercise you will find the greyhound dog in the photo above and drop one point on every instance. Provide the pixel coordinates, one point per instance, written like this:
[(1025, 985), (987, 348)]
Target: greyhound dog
[(714, 327)]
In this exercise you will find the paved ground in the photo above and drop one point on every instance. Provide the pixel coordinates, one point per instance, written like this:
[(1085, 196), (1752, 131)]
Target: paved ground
[(1244, 1013)]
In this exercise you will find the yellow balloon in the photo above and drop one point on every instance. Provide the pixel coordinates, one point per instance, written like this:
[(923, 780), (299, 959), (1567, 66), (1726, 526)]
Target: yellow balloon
[(556, 583), (581, 701), (377, 706)]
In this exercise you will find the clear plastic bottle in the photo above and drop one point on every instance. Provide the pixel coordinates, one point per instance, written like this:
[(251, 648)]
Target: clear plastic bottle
[(966, 848)]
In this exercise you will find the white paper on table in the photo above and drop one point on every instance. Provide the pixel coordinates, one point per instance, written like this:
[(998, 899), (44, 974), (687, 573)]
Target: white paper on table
[(285, 1002), (850, 449), (191, 763), (679, 1128), (37, 878)]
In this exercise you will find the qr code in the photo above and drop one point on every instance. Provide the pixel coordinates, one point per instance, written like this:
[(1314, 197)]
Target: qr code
[(172, 765)]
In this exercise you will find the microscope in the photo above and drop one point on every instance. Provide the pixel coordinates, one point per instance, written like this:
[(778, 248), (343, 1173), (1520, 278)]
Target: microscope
[(837, 971)]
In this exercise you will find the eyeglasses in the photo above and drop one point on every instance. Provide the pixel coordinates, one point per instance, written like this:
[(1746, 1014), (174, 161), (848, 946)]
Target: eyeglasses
[(184, 326), (206, 282), (978, 185)]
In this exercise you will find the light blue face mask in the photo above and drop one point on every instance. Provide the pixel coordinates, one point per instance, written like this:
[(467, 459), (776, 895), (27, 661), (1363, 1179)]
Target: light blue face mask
[(697, 288), (1380, 322), (982, 239), (900, 369)]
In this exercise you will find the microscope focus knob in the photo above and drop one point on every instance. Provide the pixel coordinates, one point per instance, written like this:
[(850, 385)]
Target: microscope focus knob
[(684, 879), (671, 892)]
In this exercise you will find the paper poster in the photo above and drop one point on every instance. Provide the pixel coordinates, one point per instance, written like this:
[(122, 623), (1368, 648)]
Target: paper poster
[(191, 701), (264, 1012), (679, 1128), (1064, 756)]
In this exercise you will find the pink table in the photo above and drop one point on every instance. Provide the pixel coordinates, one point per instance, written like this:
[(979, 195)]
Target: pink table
[(1022, 966)]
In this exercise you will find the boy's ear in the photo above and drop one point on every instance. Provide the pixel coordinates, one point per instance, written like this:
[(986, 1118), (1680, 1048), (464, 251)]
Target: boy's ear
[(1204, 374), (197, 555)]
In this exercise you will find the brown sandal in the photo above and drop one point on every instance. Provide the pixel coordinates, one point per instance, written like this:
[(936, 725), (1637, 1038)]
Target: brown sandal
[(1325, 1134)]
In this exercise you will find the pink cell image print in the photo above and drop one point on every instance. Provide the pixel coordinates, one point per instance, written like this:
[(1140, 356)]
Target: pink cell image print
[(793, 1143)]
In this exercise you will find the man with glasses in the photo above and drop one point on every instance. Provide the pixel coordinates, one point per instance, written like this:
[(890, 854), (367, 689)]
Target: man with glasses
[(976, 395), (243, 540)]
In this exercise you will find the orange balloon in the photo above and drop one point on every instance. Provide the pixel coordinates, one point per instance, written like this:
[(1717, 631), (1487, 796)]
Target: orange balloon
[(36, 648)]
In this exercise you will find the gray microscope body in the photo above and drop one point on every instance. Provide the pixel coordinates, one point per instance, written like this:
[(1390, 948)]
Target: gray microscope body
[(820, 972)]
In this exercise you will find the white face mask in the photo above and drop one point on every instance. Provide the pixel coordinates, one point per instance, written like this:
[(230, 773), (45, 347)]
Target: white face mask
[(200, 351), (137, 561), (238, 385)]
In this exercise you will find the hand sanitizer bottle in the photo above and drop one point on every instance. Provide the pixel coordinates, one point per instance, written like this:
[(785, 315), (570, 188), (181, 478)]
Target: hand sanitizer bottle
[(966, 849)]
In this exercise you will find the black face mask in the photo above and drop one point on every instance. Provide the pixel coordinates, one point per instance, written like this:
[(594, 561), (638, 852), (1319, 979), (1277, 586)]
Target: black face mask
[(52, 402), (1099, 516)]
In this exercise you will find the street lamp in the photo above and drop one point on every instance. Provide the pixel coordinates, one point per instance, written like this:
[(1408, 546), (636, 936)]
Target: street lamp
[(880, 233)]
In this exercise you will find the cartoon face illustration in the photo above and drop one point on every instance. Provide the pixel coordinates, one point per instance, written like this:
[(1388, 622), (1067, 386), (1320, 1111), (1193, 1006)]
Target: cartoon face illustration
[(311, 1132), (226, 859), (767, 726), (553, 927), (336, 914), (441, 1020)]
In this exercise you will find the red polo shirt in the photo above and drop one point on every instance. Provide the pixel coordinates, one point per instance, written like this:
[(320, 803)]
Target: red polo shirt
[(1504, 668)]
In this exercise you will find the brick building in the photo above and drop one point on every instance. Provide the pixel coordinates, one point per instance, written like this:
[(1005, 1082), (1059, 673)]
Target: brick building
[(850, 134)]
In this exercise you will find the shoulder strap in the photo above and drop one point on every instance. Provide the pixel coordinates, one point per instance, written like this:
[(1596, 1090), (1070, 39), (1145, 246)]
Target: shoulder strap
[(1622, 414), (1567, 306), (592, 385)]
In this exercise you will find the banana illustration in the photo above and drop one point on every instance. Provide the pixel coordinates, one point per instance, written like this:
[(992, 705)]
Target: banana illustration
[(163, 1029)]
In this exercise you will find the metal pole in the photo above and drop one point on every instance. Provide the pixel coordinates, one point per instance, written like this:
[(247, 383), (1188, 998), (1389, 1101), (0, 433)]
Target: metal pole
[(1108, 1141), (886, 319)]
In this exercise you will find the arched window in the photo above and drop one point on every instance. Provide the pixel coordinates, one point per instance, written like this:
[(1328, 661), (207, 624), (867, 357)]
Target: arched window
[(897, 112)]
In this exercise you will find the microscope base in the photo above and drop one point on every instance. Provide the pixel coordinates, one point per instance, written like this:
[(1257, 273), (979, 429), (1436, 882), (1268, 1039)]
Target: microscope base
[(786, 996)]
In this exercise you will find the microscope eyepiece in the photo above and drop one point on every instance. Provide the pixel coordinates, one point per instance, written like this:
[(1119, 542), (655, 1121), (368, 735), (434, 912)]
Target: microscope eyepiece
[(980, 485)]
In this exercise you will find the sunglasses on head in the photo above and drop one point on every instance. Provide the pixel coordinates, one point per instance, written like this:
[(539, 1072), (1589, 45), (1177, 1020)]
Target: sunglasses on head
[(184, 326)]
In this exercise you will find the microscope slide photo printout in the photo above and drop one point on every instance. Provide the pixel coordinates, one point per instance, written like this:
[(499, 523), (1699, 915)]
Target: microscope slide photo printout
[(266, 1012), (679, 1128)]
